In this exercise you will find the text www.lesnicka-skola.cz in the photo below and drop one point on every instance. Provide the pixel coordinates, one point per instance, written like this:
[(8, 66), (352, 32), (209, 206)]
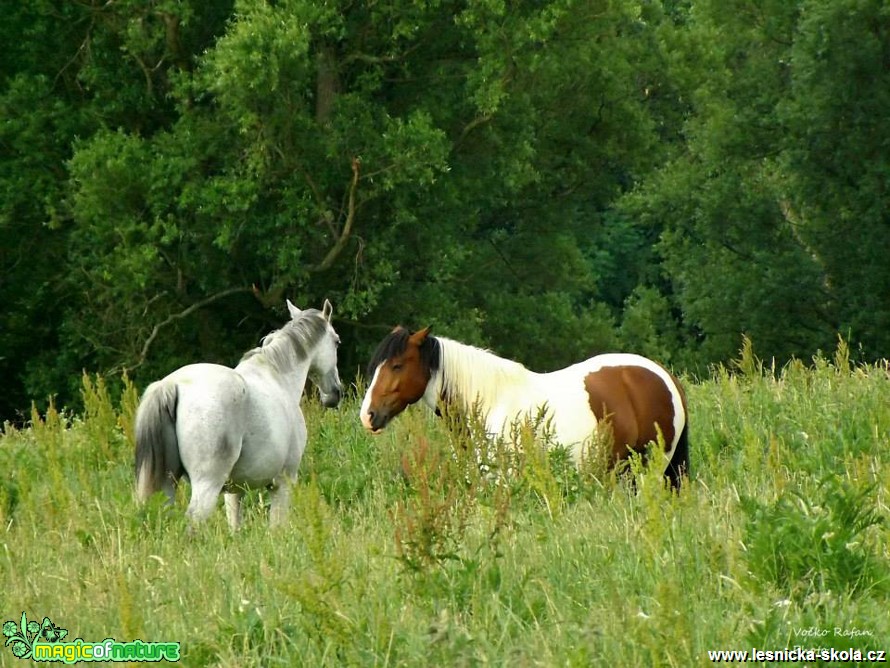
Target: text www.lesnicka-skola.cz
[(798, 654)]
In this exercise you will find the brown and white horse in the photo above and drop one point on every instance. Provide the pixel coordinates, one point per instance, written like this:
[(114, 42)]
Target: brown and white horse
[(635, 396)]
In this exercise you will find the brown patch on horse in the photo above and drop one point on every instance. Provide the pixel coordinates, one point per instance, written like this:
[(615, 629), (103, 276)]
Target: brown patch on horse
[(632, 400)]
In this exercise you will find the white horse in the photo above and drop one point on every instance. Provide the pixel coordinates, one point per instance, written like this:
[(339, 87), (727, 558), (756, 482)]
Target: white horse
[(232, 429)]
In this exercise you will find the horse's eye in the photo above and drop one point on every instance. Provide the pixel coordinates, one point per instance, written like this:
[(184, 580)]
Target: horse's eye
[(397, 366)]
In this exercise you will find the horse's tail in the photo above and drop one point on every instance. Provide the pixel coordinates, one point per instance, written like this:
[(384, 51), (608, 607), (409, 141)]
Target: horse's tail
[(157, 449), (678, 466)]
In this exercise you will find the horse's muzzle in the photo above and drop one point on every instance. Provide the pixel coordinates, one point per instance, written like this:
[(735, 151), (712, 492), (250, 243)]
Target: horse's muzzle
[(376, 420), (332, 399)]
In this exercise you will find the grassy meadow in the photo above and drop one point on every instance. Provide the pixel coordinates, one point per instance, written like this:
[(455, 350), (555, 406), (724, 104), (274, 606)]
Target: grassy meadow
[(399, 552)]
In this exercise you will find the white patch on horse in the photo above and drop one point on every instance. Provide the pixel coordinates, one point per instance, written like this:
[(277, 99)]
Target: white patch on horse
[(364, 413), (503, 391)]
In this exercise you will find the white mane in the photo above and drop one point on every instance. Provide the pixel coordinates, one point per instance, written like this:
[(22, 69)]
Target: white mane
[(285, 348), (476, 377)]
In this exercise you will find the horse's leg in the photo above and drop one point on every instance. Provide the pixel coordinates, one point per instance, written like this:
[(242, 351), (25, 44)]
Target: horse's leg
[(279, 501), (678, 466), (169, 488), (233, 509), (203, 502), (208, 470)]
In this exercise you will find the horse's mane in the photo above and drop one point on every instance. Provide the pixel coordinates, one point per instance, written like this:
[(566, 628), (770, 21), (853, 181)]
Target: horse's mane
[(287, 346), (471, 374), (395, 344), (468, 374)]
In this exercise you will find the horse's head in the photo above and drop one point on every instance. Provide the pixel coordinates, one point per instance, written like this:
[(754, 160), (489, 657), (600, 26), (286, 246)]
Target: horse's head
[(323, 366), (400, 370)]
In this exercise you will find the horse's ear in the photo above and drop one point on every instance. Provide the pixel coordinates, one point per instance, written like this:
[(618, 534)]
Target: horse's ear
[(418, 337), (293, 310), (327, 310)]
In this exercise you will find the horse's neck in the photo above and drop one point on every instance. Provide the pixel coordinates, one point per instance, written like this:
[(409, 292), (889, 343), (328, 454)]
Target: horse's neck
[(292, 376), (475, 378), (295, 379)]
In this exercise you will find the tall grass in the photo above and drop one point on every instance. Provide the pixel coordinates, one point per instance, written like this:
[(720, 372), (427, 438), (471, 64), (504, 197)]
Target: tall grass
[(399, 551)]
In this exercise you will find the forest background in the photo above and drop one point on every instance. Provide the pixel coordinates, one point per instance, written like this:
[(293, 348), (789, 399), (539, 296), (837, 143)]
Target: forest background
[(549, 179)]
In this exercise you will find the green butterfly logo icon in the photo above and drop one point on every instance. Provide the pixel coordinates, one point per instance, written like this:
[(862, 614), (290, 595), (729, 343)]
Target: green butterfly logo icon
[(51, 632)]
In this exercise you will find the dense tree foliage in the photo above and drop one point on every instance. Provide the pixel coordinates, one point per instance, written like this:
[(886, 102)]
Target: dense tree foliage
[(551, 179)]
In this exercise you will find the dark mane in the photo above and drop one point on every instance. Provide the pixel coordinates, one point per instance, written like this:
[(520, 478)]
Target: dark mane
[(396, 342)]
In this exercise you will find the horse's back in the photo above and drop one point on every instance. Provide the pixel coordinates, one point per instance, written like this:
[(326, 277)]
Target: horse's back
[(208, 386)]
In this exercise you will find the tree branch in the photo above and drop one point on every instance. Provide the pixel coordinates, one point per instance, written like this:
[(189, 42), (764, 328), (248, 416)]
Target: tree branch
[(472, 125), (343, 237), (179, 316)]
